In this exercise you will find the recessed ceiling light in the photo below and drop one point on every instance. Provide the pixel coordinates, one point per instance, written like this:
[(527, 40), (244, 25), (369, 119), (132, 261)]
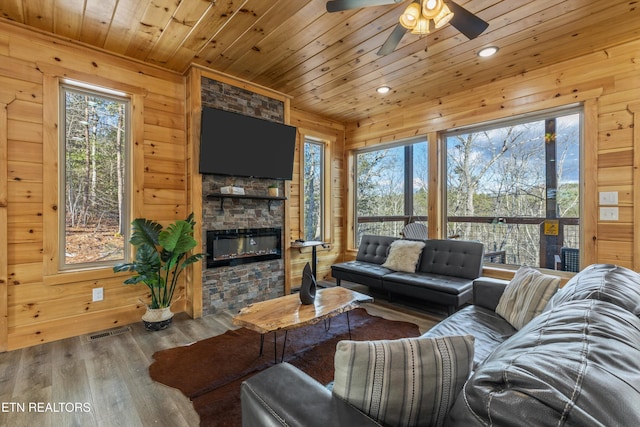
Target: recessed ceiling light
[(383, 89), (487, 51)]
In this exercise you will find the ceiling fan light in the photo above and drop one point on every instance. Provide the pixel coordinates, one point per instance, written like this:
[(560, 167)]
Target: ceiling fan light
[(422, 27), (410, 16), (443, 17), (431, 8)]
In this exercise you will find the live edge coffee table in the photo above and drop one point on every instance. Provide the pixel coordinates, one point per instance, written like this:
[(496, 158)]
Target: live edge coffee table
[(285, 313)]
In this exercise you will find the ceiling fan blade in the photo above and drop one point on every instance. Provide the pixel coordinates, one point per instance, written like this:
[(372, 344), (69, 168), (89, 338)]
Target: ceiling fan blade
[(392, 41), (338, 5), (466, 22)]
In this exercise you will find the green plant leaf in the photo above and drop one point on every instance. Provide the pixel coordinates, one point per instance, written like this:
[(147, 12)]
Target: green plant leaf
[(147, 260), (147, 264), (192, 259), (177, 238), (130, 266), (145, 232)]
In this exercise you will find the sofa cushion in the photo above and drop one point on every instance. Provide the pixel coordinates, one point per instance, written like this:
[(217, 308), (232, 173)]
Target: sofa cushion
[(409, 382), (284, 395), (487, 292), (489, 330), (361, 268), (404, 255), (374, 249), (361, 272), (436, 282), (605, 282), (577, 364), (457, 258), (526, 296)]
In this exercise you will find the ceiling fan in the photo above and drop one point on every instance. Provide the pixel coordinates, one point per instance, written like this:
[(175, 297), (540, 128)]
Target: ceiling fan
[(418, 17)]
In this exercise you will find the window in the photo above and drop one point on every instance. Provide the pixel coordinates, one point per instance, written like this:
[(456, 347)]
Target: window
[(515, 186), (313, 189), (391, 188), (94, 142)]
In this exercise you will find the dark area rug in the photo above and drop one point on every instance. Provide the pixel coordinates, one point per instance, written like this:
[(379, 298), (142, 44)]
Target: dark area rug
[(210, 372)]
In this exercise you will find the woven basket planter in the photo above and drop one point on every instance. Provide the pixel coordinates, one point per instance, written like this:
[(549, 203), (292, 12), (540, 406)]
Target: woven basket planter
[(156, 319)]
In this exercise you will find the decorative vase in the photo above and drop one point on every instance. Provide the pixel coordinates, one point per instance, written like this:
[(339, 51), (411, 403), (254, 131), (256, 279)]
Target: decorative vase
[(274, 191), (157, 319), (308, 287)]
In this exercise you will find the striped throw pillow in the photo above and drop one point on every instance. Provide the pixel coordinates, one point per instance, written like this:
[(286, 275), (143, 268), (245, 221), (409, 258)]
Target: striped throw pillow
[(526, 295), (404, 382)]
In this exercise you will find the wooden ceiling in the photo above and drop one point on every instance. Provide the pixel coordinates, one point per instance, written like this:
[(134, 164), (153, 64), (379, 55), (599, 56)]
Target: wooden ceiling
[(327, 61)]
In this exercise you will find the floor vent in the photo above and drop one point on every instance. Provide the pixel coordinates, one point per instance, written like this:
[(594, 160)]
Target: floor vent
[(110, 333)]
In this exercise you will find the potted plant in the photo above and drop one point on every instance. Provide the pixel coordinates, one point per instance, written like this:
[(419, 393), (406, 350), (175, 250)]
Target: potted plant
[(161, 255), (274, 191)]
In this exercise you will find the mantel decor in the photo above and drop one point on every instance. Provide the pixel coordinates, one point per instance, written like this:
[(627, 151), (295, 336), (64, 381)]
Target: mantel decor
[(243, 196)]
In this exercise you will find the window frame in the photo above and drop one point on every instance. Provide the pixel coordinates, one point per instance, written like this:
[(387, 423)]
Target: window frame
[(116, 96), (328, 143), (409, 157), (51, 274), (581, 109), (323, 186)]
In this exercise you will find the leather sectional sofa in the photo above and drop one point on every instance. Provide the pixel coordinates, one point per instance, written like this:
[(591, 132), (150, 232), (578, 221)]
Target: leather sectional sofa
[(444, 274), (575, 364)]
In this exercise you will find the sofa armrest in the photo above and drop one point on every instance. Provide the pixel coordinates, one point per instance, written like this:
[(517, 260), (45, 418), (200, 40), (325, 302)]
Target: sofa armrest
[(487, 291), (284, 395)]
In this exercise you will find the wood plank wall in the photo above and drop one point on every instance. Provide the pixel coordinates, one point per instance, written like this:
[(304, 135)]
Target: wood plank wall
[(40, 306), (606, 81), (36, 310)]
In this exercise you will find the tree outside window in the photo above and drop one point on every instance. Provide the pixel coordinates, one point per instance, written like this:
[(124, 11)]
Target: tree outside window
[(94, 143), (313, 187), (516, 188)]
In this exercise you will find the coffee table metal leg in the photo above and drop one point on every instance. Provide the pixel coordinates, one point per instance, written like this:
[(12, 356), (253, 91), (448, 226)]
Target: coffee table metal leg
[(275, 347), (327, 324), (284, 344), (261, 343)]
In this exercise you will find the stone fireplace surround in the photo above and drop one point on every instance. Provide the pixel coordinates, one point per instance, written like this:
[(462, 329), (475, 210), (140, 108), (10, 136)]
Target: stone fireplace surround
[(234, 287)]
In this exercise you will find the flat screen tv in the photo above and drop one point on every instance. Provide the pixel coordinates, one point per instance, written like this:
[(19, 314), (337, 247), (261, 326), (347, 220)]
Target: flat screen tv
[(238, 145)]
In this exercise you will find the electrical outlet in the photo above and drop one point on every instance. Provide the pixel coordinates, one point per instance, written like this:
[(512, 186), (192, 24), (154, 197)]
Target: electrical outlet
[(98, 294), (608, 214), (608, 197)]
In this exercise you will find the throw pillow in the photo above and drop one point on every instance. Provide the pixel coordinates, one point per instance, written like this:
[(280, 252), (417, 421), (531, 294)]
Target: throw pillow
[(404, 255), (404, 382), (526, 296)]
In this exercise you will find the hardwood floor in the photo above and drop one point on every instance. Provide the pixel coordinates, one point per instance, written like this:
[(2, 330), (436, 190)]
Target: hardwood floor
[(105, 381)]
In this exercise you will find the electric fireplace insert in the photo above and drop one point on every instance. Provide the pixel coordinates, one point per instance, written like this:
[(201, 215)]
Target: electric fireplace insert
[(242, 246)]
